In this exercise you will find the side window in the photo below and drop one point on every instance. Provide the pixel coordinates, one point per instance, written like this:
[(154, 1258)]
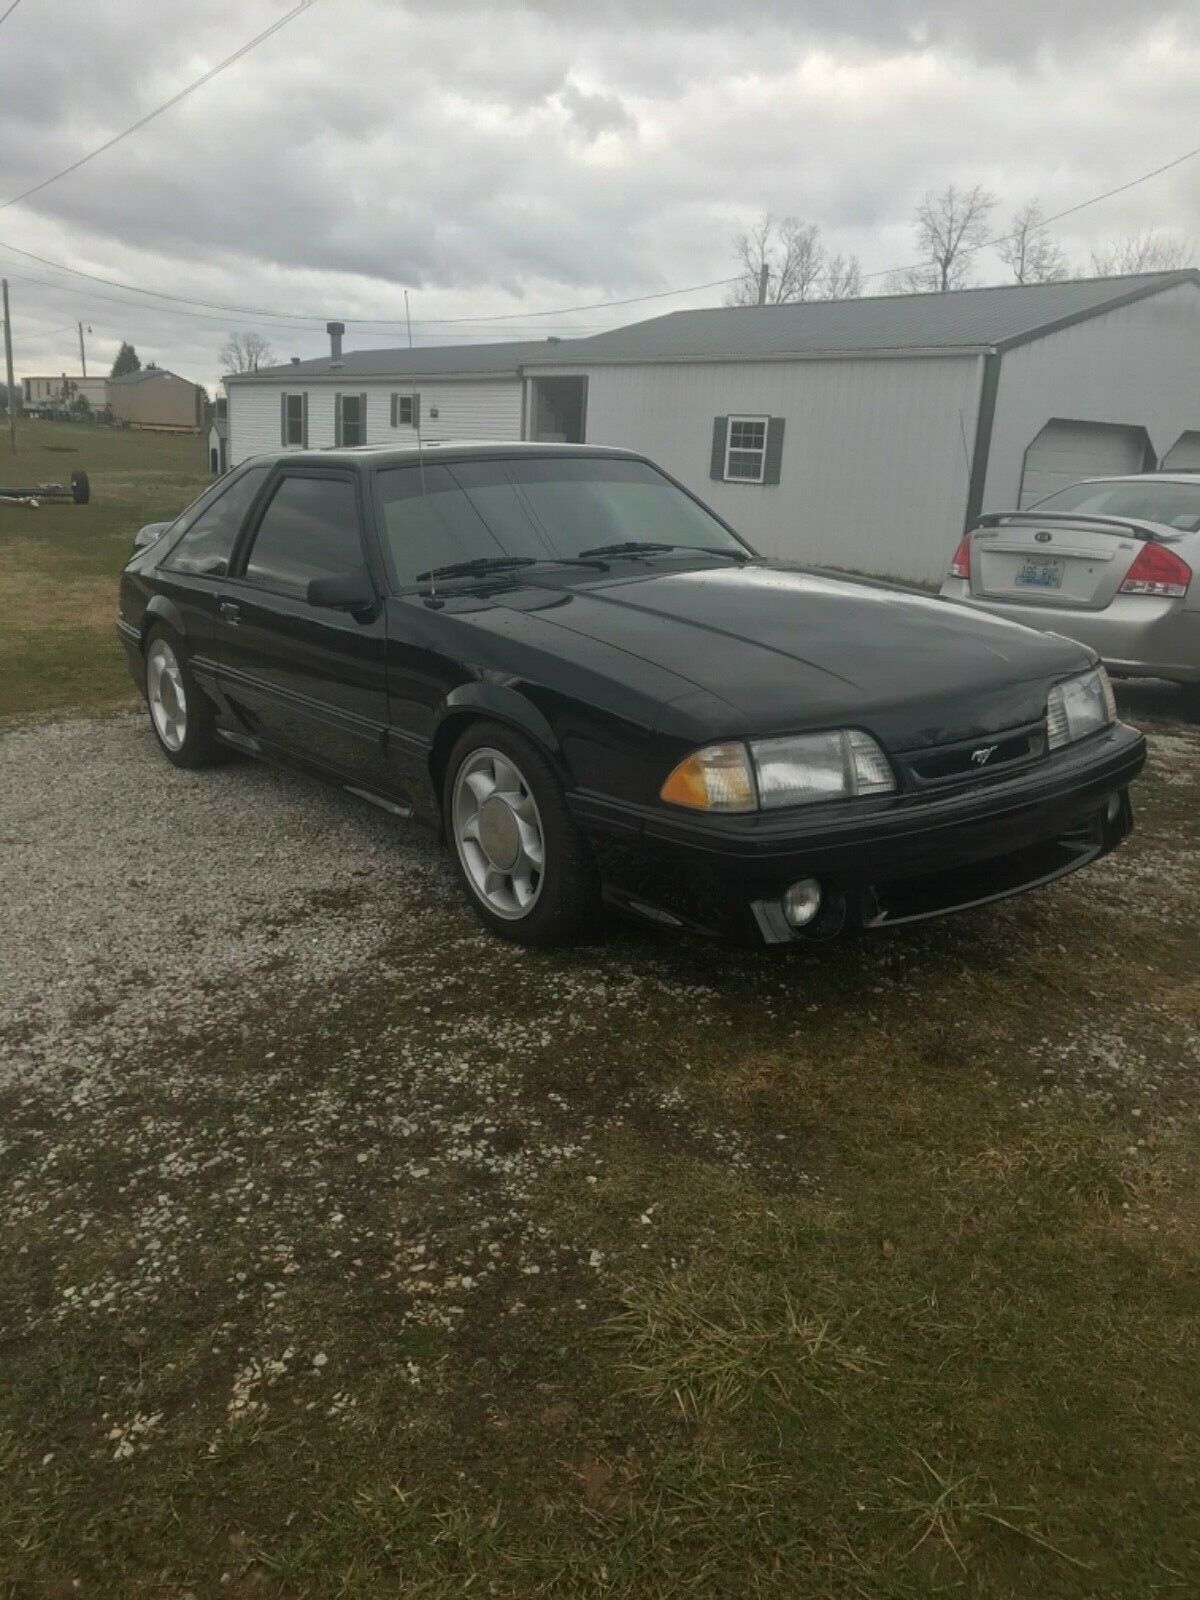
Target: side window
[(309, 530), (207, 545), (747, 449), (293, 423), (350, 419), (406, 410)]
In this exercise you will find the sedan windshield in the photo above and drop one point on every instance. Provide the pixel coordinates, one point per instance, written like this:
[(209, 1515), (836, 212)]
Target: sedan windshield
[(542, 508), (1175, 505)]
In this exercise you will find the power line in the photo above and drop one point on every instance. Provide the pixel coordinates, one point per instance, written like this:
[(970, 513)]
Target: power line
[(304, 319), (4, 16), (1070, 211), (158, 111)]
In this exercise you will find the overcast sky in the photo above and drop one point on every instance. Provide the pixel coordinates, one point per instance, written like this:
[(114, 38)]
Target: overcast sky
[(524, 157)]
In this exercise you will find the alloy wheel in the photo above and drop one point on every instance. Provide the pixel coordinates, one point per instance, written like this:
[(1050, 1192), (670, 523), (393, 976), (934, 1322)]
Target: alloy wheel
[(498, 833), (165, 692)]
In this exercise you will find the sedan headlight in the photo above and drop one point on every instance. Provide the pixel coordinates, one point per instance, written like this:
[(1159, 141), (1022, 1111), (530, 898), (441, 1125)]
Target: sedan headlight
[(1078, 707), (771, 773)]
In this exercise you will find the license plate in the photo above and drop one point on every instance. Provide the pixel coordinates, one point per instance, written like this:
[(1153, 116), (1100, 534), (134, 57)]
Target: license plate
[(1040, 573)]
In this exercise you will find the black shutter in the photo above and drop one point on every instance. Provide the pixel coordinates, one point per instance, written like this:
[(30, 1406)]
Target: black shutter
[(395, 409), (416, 416), (774, 457), (304, 419), (720, 438), (337, 420), (362, 419), (283, 419)]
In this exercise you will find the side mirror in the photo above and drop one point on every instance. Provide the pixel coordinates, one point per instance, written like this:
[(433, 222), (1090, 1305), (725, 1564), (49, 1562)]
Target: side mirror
[(343, 591), (148, 534)]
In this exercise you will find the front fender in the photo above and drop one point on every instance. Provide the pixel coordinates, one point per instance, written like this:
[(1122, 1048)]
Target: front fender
[(499, 703)]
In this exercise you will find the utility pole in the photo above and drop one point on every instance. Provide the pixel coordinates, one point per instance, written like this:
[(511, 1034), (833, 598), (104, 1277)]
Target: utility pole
[(408, 319), (82, 353), (764, 274), (8, 368)]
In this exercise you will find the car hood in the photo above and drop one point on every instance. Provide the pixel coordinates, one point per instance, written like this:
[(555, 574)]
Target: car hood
[(785, 650)]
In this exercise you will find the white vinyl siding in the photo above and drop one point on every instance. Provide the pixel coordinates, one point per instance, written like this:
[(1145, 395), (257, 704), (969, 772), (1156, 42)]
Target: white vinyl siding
[(468, 409)]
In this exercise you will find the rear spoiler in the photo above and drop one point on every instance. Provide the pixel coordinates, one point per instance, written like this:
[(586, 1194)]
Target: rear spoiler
[(1147, 532)]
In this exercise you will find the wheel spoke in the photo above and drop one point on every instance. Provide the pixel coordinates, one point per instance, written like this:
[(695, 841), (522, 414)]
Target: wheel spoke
[(531, 844), (469, 830), (508, 779), (481, 785)]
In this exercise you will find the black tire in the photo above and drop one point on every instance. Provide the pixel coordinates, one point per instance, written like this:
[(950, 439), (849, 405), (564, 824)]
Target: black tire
[(199, 746), (568, 898), (81, 489), (1191, 701)]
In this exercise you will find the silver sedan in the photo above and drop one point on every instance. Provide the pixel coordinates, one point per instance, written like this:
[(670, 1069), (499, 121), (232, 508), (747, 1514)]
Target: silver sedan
[(1109, 562)]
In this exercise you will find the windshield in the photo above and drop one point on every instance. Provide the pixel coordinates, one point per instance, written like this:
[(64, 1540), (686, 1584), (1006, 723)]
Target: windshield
[(1175, 505), (542, 507)]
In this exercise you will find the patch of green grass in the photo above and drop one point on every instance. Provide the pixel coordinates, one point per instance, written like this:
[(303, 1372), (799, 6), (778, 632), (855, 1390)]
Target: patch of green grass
[(59, 564)]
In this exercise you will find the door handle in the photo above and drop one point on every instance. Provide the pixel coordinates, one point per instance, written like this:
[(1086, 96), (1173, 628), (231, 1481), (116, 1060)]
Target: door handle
[(230, 611)]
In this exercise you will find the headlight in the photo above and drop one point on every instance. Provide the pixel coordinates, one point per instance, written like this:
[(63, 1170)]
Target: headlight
[(771, 773), (819, 766), (1078, 707)]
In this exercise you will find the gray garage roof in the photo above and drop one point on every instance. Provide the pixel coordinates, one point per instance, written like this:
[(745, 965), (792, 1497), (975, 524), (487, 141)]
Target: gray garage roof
[(970, 319), (446, 361)]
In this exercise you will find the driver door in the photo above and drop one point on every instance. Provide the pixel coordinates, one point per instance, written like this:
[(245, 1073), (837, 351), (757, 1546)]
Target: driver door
[(307, 681)]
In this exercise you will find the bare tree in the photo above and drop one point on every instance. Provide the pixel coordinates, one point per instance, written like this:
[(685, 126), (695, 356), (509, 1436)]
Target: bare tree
[(246, 352), (1143, 252), (843, 279), (1029, 253), (788, 256), (950, 227)]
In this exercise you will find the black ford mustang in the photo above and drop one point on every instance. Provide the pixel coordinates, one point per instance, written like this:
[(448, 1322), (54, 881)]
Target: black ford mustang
[(580, 675)]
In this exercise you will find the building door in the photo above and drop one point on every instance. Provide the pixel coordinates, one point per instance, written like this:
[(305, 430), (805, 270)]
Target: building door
[(558, 410), (1066, 452)]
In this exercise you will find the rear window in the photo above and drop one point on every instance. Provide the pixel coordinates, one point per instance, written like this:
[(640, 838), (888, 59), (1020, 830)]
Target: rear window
[(1175, 505)]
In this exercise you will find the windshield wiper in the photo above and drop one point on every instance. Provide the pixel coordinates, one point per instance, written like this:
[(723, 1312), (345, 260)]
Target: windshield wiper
[(639, 547), (481, 566)]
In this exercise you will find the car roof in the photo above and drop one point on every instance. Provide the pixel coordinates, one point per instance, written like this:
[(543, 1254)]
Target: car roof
[(378, 456)]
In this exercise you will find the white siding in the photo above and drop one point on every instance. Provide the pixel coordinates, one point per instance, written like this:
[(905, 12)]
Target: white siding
[(468, 409), (1138, 365), (874, 472)]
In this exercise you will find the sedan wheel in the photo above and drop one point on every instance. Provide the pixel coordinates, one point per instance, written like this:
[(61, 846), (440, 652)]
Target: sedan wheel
[(498, 834), (167, 695)]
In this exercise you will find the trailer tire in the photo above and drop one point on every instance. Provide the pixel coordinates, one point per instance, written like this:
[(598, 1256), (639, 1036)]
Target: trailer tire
[(81, 489)]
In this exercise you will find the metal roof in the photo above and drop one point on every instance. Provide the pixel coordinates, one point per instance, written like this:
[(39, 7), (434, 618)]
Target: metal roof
[(446, 361), (143, 373), (962, 319)]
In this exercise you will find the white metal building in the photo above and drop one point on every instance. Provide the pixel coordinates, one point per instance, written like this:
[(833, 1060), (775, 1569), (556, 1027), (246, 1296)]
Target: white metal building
[(866, 433), (862, 434)]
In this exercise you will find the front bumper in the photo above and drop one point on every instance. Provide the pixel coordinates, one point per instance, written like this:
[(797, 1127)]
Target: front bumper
[(879, 862), (1137, 635)]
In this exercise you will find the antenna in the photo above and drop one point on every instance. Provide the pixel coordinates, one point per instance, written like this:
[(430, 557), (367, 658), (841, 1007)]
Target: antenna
[(421, 471)]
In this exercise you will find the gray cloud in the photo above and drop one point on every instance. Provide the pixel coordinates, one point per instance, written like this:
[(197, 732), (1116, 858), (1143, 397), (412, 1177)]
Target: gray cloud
[(520, 156)]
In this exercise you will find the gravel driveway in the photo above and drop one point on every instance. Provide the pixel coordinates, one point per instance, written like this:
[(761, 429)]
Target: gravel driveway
[(135, 897)]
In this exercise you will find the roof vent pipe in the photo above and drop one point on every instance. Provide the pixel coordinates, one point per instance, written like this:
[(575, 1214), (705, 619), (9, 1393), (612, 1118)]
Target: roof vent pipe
[(295, 361), (335, 330)]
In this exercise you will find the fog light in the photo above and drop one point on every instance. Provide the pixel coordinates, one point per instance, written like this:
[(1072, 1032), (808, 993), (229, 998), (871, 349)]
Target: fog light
[(802, 902), (1113, 809)]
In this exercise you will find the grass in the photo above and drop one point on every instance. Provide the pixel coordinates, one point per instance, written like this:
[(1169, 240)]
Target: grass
[(647, 1270), (59, 564)]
